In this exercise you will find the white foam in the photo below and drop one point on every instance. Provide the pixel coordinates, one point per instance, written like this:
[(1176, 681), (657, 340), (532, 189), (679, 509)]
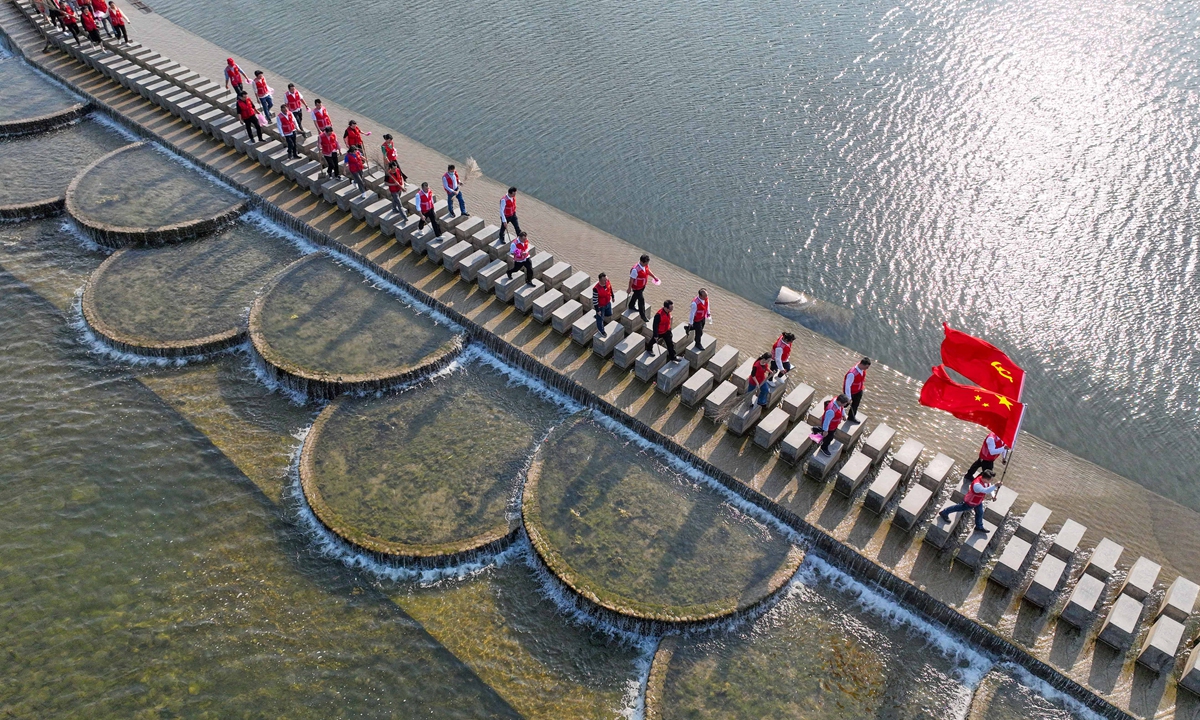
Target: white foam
[(382, 283), (270, 227), (634, 700), (1052, 694)]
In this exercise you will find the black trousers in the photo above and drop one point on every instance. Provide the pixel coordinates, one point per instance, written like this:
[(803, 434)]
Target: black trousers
[(331, 162), (978, 467), (121, 32), (431, 218), (528, 265), (299, 115), (504, 225), (291, 143), (669, 342), (73, 28), (638, 300), (855, 399), (698, 328), (252, 122)]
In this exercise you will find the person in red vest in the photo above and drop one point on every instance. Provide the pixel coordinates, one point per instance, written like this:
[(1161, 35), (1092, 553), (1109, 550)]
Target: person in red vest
[(388, 148), (296, 103), (90, 27), (993, 449), (321, 116), (100, 11), (328, 143), (234, 76), (831, 418), (426, 201), (520, 255), (356, 163), (981, 489), (353, 136), (661, 329), (781, 351), (287, 129), (698, 315), (602, 300), (453, 186), (119, 22), (249, 115), (508, 213), (264, 93), (395, 183), (639, 275), (852, 387), (758, 372)]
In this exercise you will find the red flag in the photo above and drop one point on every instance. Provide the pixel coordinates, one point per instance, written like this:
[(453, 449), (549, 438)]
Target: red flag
[(994, 411), (982, 363)]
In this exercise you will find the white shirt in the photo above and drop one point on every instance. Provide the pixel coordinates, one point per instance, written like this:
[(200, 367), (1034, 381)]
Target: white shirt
[(996, 447), (450, 182), (978, 487)]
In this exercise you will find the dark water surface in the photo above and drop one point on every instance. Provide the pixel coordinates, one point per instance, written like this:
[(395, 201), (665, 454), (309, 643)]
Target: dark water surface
[(1024, 170)]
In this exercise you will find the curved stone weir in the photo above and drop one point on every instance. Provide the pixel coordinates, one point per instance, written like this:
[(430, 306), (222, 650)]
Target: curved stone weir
[(322, 329), (29, 103), (186, 299), (641, 542), (37, 168), (428, 476), (136, 195)]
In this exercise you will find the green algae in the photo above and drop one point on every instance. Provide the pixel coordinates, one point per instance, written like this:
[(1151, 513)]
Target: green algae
[(628, 533), (431, 470)]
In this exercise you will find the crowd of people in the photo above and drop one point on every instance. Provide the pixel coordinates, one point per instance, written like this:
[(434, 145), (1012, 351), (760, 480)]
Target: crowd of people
[(90, 16)]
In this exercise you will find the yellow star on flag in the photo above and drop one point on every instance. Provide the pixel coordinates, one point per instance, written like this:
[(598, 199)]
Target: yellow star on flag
[(986, 405), (1005, 402), (978, 398)]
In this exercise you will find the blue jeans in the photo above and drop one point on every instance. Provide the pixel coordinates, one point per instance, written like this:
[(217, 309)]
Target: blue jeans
[(604, 311), (267, 103), (764, 392), (462, 206), (963, 507)]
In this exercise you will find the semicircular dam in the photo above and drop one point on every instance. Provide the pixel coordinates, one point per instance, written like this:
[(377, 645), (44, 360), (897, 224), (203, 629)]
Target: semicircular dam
[(29, 103)]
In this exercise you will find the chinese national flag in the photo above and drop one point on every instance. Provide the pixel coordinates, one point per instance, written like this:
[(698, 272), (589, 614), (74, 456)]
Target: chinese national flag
[(981, 363), (994, 411)]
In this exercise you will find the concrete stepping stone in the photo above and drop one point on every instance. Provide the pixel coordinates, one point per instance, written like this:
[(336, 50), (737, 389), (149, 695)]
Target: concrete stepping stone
[(603, 346), (849, 432), (506, 286), (852, 473), (1180, 600), (1007, 570), (941, 530), (486, 278), (1190, 678), (697, 358), (878, 443), (527, 295), (1121, 624), (371, 211), (630, 320), (936, 472), (469, 266), (627, 351), (481, 238), (466, 229), (907, 457), (1080, 611), (697, 388), (745, 414), (557, 273), (1142, 578), (881, 490), (912, 507), (672, 375), (796, 402), (817, 410), (358, 205), (1103, 562), (565, 316), (541, 262), (796, 444), (771, 428), (649, 363), (777, 388), (1032, 523), (1158, 651), (996, 508), (718, 402), (820, 464), (974, 547), (583, 329), (1042, 590), (440, 244), (741, 376), (544, 307), (722, 363), (1067, 541), (578, 284), (455, 253)]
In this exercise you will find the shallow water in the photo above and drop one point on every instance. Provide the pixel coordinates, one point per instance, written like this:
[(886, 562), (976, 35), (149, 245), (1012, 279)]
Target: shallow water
[(39, 167), (1024, 170), (26, 93)]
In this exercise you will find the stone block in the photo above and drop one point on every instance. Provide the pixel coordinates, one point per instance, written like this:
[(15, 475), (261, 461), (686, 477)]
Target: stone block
[(672, 375), (403, 227), (1190, 678), (487, 276), (1041, 591), (974, 547), (940, 531), (439, 245), (722, 363), (631, 321), (466, 229), (453, 254), (578, 284), (469, 266), (358, 204), (681, 336), (527, 295), (649, 363), (1158, 651), (1067, 541), (997, 509), (566, 314), (741, 376), (936, 472), (300, 173), (1080, 610), (603, 346), (796, 444), (878, 443), (1180, 600), (771, 428), (482, 238), (720, 400), (745, 414), (544, 307), (849, 432), (697, 387), (1121, 624), (881, 490), (1103, 562), (627, 351), (620, 301), (583, 329), (541, 261), (331, 187), (852, 473), (796, 402), (698, 356), (506, 286), (557, 273), (373, 210), (907, 457), (1142, 578), (912, 507), (1007, 570), (1032, 523), (820, 464), (777, 388)]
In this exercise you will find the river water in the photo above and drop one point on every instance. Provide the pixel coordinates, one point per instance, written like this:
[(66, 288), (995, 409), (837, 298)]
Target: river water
[(1022, 169)]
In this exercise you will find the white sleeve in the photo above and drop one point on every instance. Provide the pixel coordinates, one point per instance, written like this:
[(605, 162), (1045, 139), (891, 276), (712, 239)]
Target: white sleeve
[(994, 448), (633, 273), (692, 314), (827, 418), (979, 488), (848, 383), (502, 208), (778, 353)]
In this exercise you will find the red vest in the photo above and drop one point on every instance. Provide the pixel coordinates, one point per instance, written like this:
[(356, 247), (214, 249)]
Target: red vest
[(322, 116), (355, 161), (89, 22), (642, 275), (510, 206), (246, 109), (520, 250), (973, 498), (425, 201), (68, 15), (260, 86), (758, 372), (353, 135), (859, 379), (100, 6), (983, 450), (787, 349), (116, 17), (701, 309), (295, 100), (662, 322), (288, 123), (329, 143), (389, 151), (835, 420), (395, 180), (604, 293), (446, 180), (233, 74)]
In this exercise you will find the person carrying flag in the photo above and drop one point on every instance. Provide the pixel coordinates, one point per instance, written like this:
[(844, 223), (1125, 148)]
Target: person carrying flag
[(830, 420), (993, 449), (356, 163), (852, 386), (395, 183), (520, 255), (980, 490), (698, 315), (353, 136)]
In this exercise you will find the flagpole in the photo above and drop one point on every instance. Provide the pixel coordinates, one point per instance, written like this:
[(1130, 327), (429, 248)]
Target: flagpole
[(1012, 451)]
